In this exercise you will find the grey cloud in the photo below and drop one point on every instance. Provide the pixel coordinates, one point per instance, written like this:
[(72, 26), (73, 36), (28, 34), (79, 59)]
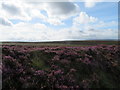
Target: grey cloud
[(5, 22), (62, 7), (12, 9), (91, 29)]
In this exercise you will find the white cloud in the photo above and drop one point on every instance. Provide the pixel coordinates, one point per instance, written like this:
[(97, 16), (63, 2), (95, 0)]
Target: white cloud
[(14, 10), (101, 25), (4, 21), (41, 26), (54, 21), (40, 32), (102, 33), (56, 14), (91, 3), (106, 24), (83, 18), (56, 11)]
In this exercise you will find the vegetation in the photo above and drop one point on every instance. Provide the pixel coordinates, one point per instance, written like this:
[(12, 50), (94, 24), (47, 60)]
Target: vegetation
[(52, 67)]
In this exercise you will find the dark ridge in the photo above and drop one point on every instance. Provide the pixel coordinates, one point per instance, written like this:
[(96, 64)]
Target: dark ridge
[(75, 42)]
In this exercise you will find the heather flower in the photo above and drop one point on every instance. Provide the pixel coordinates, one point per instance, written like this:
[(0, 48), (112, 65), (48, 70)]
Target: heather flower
[(23, 57), (1, 70), (54, 66), (78, 59), (8, 57), (58, 72), (72, 70), (63, 87), (85, 83), (20, 70), (65, 61), (56, 58), (86, 60), (39, 73), (63, 69), (22, 80)]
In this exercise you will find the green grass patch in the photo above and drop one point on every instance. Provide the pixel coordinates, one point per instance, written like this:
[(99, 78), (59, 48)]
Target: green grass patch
[(40, 60)]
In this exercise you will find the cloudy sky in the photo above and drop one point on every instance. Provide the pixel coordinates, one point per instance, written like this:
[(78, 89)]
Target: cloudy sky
[(22, 20)]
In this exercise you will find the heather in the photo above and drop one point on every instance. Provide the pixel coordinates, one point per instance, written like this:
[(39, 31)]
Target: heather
[(60, 67)]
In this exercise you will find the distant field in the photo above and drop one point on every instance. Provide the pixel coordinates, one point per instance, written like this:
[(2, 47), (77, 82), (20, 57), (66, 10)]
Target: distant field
[(64, 43)]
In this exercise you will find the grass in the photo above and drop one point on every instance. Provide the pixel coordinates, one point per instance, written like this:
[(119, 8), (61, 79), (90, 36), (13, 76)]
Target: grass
[(40, 60)]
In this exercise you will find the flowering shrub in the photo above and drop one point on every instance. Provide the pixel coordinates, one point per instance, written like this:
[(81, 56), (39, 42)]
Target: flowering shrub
[(60, 67)]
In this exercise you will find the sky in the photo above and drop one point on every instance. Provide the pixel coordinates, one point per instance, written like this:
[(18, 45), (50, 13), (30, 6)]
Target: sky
[(22, 20)]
